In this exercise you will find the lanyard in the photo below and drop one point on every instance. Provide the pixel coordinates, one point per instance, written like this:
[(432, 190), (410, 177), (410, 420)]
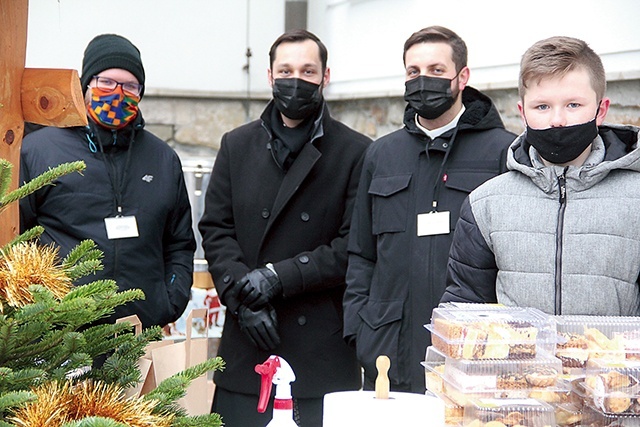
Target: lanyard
[(442, 176), (112, 171)]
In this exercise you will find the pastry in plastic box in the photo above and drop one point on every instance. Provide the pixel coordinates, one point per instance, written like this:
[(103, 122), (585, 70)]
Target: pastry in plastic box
[(462, 380), (490, 332), (453, 412), (581, 338), (592, 417), (568, 415), (508, 413), (612, 387)]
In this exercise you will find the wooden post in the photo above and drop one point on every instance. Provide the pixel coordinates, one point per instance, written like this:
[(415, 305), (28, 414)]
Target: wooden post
[(47, 97)]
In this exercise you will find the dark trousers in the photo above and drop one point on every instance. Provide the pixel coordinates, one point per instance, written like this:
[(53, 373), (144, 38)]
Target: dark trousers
[(240, 410)]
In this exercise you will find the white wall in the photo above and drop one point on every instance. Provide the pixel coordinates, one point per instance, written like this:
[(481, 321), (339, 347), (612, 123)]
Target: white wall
[(366, 37), (200, 45), (186, 45)]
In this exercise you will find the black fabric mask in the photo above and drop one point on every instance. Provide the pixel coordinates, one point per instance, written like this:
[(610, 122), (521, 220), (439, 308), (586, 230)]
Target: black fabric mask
[(297, 99), (429, 96), (561, 145)]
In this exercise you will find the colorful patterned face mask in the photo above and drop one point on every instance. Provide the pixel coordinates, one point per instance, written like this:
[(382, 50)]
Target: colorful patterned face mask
[(113, 109)]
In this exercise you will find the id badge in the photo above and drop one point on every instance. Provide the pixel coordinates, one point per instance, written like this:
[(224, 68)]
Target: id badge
[(121, 227), (432, 223)]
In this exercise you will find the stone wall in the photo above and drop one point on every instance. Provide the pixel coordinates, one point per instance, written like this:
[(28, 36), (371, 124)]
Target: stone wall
[(195, 125)]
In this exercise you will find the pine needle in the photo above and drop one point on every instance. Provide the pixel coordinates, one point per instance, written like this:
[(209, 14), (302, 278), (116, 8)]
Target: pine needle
[(35, 184)]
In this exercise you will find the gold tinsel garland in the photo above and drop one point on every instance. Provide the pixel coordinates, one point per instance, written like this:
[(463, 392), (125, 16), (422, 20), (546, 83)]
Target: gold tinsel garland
[(30, 264), (59, 403)]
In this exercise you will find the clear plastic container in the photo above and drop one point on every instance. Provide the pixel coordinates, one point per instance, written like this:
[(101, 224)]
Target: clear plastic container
[(434, 363), (581, 338), (568, 415), (508, 412), (481, 331), (453, 412), (592, 417), (463, 380), (612, 387)]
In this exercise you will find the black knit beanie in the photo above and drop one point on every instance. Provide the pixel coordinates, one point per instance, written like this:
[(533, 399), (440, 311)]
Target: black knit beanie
[(110, 51)]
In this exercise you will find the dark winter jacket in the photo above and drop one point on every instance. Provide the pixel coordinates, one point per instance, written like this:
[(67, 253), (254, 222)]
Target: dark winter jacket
[(563, 240), (148, 175), (299, 220), (396, 278)]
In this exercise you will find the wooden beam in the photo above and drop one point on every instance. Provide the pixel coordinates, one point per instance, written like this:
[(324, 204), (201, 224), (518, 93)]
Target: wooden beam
[(53, 97), (44, 96), (13, 46)]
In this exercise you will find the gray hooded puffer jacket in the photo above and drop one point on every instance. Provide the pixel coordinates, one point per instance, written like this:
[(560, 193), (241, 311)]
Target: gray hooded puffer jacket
[(564, 240)]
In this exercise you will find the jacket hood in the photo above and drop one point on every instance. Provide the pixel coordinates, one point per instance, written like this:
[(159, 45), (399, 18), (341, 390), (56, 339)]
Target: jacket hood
[(480, 113), (615, 148)]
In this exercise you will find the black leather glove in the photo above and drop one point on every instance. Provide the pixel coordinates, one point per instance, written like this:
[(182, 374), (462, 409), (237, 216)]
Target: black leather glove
[(258, 287), (230, 298), (260, 326)]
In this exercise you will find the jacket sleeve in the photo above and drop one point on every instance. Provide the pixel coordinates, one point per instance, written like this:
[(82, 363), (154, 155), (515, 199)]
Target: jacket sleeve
[(472, 269), (362, 258), (218, 229), (179, 246), (325, 266)]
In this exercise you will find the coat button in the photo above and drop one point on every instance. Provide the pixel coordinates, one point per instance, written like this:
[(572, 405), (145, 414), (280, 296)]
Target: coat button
[(302, 320), (265, 213), (304, 216), (303, 259), (226, 279)]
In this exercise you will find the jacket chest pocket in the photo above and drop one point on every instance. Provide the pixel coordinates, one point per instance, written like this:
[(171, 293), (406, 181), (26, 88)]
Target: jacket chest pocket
[(390, 203)]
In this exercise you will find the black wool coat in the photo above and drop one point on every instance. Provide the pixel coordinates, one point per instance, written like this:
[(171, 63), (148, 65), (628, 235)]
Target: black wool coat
[(299, 220)]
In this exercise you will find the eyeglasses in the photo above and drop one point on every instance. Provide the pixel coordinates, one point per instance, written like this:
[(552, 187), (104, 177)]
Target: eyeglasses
[(106, 83)]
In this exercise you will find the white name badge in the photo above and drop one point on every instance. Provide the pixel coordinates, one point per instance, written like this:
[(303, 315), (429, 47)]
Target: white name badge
[(121, 227), (432, 223)]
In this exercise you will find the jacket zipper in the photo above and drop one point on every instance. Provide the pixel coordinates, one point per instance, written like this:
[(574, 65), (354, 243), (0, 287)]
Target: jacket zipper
[(562, 186)]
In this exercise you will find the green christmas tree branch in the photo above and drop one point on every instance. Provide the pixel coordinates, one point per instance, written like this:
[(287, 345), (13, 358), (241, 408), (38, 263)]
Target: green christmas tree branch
[(55, 338), (35, 184)]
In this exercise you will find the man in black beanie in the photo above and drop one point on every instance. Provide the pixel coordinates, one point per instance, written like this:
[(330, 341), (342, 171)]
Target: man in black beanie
[(131, 200)]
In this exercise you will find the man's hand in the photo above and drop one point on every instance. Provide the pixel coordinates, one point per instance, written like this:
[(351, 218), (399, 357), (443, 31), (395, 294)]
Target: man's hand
[(259, 287), (260, 326)]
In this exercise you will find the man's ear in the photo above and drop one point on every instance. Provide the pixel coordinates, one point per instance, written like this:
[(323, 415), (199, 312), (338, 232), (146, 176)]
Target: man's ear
[(326, 78), (521, 111), (603, 109), (270, 77), (463, 78)]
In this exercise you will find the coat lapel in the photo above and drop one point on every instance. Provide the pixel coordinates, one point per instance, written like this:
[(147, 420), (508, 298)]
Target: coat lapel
[(299, 170)]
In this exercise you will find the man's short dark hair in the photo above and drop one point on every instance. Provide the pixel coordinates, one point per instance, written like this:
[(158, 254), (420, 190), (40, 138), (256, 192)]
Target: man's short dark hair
[(437, 34), (296, 36)]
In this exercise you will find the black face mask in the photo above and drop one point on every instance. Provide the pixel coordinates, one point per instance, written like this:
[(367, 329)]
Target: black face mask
[(562, 144), (296, 98), (429, 96)]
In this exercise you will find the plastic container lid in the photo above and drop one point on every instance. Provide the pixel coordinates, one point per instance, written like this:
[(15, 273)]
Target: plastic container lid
[(440, 374), (508, 412), (593, 417), (480, 331), (541, 372), (613, 387), (582, 338), (453, 412)]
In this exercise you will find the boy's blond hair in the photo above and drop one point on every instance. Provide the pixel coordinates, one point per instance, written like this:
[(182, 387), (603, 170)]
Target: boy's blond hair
[(555, 57)]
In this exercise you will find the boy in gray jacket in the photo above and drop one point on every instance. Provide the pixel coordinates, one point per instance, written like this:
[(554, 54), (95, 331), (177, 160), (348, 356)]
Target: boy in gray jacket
[(560, 230)]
